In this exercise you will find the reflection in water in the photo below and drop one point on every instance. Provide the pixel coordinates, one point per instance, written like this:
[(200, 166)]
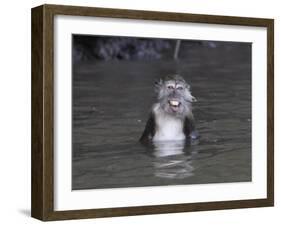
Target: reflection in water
[(168, 148), (171, 161)]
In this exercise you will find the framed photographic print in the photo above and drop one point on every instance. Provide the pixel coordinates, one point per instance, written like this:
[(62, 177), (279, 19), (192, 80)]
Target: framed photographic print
[(141, 112)]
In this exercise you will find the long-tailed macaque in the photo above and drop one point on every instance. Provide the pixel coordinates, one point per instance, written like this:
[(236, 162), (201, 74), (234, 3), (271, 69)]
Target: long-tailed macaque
[(171, 118)]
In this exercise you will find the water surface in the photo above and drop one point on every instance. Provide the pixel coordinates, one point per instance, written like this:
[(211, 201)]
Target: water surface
[(112, 100)]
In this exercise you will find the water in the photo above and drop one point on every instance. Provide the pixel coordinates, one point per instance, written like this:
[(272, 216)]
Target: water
[(111, 102)]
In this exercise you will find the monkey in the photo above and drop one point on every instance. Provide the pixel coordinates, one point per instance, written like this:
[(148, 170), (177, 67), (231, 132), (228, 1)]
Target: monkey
[(171, 117)]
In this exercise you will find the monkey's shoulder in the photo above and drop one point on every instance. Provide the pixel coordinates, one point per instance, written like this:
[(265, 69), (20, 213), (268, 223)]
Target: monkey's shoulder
[(156, 109), (149, 130)]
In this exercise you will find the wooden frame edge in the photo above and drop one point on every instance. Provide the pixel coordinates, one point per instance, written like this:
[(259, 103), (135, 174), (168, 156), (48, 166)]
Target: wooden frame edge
[(37, 184), (155, 15), (270, 111), (42, 113), (158, 209)]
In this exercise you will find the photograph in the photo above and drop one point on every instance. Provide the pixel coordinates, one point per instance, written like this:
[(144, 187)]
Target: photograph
[(148, 112), (152, 111)]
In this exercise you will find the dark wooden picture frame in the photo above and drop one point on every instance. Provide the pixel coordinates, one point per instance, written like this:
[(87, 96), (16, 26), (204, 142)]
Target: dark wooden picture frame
[(42, 203)]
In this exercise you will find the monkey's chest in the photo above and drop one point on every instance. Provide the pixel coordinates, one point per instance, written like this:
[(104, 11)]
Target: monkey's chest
[(168, 129)]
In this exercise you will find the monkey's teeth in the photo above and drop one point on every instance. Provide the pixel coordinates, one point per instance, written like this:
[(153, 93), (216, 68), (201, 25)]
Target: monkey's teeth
[(174, 103)]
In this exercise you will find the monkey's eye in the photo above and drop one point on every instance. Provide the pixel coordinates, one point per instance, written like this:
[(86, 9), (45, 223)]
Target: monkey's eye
[(180, 88), (170, 87)]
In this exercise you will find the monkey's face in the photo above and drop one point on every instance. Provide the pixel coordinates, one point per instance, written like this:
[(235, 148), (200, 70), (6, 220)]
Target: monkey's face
[(175, 98)]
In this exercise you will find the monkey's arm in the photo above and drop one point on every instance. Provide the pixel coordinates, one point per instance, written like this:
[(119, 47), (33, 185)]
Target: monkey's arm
[(149, 130), (189, 127)]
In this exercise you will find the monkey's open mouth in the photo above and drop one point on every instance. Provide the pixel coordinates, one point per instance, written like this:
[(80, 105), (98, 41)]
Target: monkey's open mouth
[(174, 104)]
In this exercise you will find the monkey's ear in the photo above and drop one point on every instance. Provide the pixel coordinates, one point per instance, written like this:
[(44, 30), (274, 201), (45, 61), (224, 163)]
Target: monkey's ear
[(157, 85), (193, 99)]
